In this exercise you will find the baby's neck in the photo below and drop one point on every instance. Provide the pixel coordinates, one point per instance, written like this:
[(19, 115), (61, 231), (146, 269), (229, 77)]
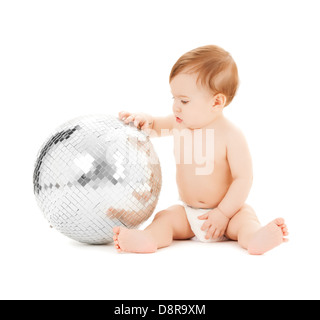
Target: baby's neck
[(215, 122)]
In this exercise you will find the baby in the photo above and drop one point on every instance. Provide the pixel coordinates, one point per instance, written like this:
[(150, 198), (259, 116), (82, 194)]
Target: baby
[(213, 163)]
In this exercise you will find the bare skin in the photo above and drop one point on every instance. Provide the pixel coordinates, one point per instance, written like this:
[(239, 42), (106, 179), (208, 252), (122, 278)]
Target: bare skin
[(222, 181)]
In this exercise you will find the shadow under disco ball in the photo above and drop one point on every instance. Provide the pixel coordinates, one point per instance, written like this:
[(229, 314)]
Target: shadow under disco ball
[(95, 173)]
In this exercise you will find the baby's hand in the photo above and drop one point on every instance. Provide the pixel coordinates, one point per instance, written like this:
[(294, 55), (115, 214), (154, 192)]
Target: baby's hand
[(140, 120), (216, 223)]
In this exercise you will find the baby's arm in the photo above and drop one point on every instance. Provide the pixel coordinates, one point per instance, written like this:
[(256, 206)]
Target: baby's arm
[(240, 163), (155, 126)]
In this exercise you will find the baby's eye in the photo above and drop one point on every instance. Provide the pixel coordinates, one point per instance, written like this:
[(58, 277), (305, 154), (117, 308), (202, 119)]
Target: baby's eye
[(184, 102)]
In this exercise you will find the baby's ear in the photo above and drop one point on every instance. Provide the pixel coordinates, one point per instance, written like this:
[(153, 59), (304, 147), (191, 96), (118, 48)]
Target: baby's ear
[(220, 100)]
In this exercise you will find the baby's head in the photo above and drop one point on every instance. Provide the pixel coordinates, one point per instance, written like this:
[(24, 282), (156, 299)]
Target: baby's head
[(215, 69)]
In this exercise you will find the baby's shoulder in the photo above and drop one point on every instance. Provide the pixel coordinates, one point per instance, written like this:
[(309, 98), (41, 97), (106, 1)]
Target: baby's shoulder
[(232, 132), (228, 127)]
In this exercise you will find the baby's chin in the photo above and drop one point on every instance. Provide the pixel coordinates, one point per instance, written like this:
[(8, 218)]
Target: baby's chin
[(194, 126), (188, 125)]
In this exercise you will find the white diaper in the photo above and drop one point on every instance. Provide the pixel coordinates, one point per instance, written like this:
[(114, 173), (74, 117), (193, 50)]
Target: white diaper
[(196, 224)]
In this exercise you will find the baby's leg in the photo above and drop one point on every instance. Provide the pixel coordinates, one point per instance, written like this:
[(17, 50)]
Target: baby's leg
[(245, 228), (170, 224)]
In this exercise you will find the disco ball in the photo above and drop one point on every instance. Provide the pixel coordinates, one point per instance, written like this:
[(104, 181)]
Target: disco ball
[(95, 173)]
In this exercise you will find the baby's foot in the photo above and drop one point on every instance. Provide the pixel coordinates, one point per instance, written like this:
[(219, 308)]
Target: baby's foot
[(268, 237), (131, 240)]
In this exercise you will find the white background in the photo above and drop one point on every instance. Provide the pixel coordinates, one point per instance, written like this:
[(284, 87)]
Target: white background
[(63, 59)]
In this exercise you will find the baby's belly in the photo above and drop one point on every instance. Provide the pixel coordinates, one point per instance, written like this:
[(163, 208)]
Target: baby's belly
[(202, 191)]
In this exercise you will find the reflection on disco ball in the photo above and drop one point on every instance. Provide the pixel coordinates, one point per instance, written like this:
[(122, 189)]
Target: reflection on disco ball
[(95, 173)]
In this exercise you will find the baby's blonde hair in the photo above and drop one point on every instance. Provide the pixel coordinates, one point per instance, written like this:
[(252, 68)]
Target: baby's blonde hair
[(216, 70)]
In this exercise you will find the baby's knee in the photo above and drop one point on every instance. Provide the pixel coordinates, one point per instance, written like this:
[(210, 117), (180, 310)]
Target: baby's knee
[(168, 213), (161, 214), (246, 212)]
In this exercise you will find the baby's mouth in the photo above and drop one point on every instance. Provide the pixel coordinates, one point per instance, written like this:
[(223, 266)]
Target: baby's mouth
[(178, 119)]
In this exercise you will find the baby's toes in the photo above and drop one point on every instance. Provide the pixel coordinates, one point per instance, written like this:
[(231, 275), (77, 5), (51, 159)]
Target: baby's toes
[(116, 244), (285, 231), (279, 222), (115, 239), (116, 231)]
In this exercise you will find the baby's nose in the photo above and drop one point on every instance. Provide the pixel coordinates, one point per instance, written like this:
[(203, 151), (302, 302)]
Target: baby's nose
[(176, 109)]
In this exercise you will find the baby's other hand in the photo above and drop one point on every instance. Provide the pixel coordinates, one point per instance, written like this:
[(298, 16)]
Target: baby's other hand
[(216, 223), (140, 120)]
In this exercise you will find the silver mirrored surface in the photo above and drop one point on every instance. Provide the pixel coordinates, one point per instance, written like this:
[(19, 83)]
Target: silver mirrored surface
[(95, 173)]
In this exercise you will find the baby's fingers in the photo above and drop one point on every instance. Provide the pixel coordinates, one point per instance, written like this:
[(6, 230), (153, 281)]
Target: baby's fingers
[(217, 234), (205, 226), (210, 233), (204, 216), (139, 122), (131, 118), (124, 115)]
